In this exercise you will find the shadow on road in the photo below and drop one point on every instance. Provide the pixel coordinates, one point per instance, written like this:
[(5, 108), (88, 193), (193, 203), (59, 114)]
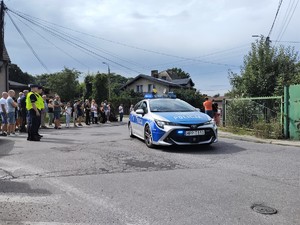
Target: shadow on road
[(7, 186), (6, 146), (214, 149)]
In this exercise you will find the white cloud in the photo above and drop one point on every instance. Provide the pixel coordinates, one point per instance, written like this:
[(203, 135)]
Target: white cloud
[(186, 28)]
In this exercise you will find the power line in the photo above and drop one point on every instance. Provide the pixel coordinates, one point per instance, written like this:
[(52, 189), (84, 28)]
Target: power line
[(43, 37), (280, 2), (282, 33), (129, 46), (66, 38), (287, 18), (28, 44)]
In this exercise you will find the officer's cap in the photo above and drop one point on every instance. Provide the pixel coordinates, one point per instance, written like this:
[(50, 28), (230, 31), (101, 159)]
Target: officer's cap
[(40, 87)]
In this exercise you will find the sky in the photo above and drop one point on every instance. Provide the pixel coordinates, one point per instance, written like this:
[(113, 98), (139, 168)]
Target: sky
[(204, 38)]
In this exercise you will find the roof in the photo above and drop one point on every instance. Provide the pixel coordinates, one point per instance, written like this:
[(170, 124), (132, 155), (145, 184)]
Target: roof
[(165, 82), (5, 54), (183, 82), (16, 84)]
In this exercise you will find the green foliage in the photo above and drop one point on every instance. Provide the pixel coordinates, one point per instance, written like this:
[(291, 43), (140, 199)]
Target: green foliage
[(266, 70), (100, 87), (17, 75), (88, 83), (263, 129), (192, 96), (177, 73), (239, 113), (127, 98), (64, 83), (116, 82)]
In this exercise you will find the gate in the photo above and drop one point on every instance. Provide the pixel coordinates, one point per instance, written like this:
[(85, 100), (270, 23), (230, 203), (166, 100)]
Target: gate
[(292, 112)]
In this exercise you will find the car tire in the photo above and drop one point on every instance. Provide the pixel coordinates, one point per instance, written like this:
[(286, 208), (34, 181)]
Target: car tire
[(130, 130), (148, 137)]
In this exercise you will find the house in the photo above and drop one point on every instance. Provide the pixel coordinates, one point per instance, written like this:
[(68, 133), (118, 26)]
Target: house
[(17, 87), (162, 82), (4, 66)]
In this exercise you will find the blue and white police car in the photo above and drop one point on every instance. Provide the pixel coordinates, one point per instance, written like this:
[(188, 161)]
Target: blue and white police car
[(170, 121)]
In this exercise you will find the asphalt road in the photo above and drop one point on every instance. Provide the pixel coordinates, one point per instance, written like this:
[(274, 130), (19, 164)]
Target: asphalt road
[(98, 175)]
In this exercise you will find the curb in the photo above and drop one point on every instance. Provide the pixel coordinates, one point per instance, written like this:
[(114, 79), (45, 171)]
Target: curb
[(223, 134)]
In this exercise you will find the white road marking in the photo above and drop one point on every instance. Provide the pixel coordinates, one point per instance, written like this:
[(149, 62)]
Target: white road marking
[(25, 198), (103, 202), (39, 223)]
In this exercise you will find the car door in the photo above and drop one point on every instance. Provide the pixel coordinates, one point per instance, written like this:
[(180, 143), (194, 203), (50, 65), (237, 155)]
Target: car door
[(141, 120), (133, 118)]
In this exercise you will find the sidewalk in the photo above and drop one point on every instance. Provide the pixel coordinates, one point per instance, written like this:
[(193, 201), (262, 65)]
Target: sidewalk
[(223, 134)]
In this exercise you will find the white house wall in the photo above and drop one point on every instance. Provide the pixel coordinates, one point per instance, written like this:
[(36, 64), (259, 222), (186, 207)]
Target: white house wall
[(158, 86), (3, 79)]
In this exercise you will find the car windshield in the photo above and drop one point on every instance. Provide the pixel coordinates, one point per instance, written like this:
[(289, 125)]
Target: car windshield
[(170, 105)]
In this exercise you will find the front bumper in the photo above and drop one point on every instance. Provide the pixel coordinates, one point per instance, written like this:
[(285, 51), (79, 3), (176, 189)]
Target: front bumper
[(176, 136)]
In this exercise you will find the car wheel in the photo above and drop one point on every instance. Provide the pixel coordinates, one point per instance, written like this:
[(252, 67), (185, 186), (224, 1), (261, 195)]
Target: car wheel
[(130, 130), (148, 137)]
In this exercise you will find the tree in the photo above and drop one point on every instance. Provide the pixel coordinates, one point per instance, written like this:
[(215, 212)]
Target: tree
[(177, 73), (65, 84), (88, 82), (192, 96), (17, 75), (266, 70), (100, 87), (116, 82)]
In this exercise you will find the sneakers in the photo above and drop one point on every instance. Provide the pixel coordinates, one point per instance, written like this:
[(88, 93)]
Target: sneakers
[(3, 134)]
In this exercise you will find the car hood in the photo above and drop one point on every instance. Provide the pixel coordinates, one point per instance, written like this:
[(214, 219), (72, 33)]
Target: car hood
[(183, 117)]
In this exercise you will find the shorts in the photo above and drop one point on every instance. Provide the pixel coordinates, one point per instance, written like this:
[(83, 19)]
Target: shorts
[(210, 113), (79, 113), (4, 118), (56, 115), (11, 117)]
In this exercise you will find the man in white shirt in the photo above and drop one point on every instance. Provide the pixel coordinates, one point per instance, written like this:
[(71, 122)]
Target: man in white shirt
[(11, 112), (3, 112), (121, 112)]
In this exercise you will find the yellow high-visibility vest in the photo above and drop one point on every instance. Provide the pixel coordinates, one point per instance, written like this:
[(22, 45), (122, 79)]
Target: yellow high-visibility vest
[(40, 102), (28, 101)]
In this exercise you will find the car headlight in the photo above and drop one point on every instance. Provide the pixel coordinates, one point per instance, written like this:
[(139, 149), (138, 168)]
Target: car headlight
[(210, 122), (162, 124)]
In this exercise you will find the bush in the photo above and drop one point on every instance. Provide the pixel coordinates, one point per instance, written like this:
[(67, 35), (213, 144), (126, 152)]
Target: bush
[(240, 113), (271, 129)]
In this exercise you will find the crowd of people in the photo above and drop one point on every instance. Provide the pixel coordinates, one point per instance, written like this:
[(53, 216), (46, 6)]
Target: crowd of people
[(212, 109), (32, 111)]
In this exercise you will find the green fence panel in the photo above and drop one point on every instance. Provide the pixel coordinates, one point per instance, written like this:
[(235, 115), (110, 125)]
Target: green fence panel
[(294, 111)]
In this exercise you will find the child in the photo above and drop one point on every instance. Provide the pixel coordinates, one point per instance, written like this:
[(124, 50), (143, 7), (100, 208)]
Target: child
[(68, 111)]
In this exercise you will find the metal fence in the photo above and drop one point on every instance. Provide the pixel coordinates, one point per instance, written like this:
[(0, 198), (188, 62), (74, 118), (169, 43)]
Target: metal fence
[(246, 112)]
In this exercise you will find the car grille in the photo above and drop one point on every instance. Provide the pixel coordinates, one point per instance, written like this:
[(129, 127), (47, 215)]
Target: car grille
[(181, 138)]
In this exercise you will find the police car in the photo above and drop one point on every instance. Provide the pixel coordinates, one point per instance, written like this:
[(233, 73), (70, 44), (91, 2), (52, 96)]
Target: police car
[(170, 121)]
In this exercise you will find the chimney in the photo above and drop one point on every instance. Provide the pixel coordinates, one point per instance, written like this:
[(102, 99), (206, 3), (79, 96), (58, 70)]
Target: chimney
[(154, 73)]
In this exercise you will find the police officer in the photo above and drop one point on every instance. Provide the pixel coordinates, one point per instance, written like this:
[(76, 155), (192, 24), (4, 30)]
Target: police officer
[(33, 114), (39, 104)]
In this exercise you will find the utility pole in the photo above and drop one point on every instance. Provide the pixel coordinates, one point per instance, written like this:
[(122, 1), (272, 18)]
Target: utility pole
[(2, 30), (108, 70)]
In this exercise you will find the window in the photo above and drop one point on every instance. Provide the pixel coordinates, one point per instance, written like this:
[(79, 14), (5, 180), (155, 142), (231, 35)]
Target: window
[(150, 87), (139, 88), (143, 106)]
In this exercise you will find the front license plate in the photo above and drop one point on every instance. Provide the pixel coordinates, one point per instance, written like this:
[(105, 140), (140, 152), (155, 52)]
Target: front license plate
[(194, 132)]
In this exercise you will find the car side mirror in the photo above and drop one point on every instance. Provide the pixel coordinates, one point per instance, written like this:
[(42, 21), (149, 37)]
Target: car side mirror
[(140, 111)]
